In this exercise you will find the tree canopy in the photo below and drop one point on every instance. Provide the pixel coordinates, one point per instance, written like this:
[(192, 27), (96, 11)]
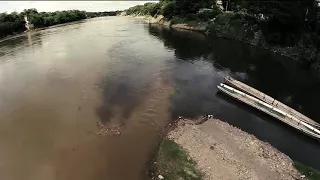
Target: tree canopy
[(14, 22), (170, 8), (10, 23), (282, 22)]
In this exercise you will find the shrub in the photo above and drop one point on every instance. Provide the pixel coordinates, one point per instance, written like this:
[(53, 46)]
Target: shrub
[(168, 10), (178, 20), (207, 15), (223, 19), (309, 54), (191, 17), (234, 26), (155, 9)]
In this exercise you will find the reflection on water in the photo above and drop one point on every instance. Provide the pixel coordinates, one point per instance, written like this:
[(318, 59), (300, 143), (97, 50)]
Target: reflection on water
[(57, 84)]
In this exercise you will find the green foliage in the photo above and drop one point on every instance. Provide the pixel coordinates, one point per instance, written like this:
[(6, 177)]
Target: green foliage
[(45, 19), (10, 24), (224, 19), (208, 15), (310, 173), (282, 22), (308, 50), (190, 6), (173, 163), (278, 23), (178, 20), (168, 10), (154, 9), (146, 9), (14, 22), (233, 25), (134, 10), (101, 14), (194, 19)]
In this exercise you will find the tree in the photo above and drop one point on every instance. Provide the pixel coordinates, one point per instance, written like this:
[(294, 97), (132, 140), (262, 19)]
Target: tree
[(155, 9), (10, 24), (192, 6), (168, 10)]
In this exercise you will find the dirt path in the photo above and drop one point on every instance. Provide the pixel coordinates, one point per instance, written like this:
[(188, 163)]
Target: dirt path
[(225, 152)]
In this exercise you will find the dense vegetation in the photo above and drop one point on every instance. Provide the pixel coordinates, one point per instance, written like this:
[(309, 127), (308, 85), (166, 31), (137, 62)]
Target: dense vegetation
[(292, 27), (44, 19), (14, 22), (11, 23), (100, 14), (310, 173), (174, 8)]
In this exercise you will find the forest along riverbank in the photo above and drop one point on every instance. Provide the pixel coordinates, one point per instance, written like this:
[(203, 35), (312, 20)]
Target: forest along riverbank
[(292, 33), (220, 28), (216, 150), (13, 24)]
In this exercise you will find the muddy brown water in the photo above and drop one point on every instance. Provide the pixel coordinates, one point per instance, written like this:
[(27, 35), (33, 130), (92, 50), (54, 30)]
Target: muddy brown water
[(58, 85)]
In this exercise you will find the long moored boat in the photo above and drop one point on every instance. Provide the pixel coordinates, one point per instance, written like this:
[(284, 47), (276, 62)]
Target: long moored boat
[(273, 111), (270, 100)]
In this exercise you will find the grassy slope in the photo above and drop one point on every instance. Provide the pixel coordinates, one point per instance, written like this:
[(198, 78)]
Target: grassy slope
[(310, 173), (173, 163)]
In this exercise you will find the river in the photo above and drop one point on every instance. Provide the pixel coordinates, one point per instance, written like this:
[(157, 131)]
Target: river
[(67, 92)]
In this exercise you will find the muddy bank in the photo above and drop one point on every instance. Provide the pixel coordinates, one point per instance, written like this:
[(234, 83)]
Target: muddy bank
[(222, 151)]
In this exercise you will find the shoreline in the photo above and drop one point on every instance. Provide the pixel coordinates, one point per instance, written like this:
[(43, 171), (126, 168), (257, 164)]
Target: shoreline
[(13, 36), (44, 28), (289, 52), (222, 151), (36, 30), (161, 21)]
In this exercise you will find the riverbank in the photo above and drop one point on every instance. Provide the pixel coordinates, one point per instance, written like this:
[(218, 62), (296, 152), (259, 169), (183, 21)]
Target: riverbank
[(199, 27), (19, 34), (239, 27), (221, 151)]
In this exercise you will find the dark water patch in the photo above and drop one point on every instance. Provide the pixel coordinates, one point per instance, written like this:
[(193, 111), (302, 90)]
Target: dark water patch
[(184, 48), (121, 94), (286, 139)]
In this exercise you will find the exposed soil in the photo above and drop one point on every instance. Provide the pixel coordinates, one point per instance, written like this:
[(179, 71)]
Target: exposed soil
[(226, 152)]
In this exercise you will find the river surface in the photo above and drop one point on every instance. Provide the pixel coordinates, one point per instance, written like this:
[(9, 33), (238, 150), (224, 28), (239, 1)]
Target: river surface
[(66, 93)]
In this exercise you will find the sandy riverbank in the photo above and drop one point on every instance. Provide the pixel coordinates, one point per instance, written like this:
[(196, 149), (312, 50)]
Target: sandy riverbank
[(222, 151)]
